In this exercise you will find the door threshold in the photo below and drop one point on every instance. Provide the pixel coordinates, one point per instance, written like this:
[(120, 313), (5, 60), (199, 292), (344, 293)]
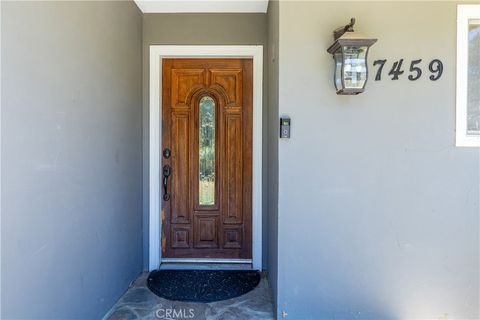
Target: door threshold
[(206, 260), (206, 264)]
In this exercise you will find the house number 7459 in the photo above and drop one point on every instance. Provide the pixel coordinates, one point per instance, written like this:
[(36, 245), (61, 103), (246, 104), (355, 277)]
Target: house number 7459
[(435, 67)]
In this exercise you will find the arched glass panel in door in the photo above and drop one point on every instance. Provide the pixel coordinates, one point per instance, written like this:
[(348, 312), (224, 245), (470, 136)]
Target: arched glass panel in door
[(206, 192)]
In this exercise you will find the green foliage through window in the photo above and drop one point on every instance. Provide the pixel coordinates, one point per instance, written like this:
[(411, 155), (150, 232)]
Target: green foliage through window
[(207, 151)]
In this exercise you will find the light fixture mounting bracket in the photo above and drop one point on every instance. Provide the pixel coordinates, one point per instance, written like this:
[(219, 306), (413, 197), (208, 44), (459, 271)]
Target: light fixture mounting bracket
[(337, 33)]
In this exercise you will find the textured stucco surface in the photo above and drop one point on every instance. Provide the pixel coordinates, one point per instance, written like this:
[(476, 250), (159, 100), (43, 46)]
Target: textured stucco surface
[(71, 157), (272, 145), (378, 210)]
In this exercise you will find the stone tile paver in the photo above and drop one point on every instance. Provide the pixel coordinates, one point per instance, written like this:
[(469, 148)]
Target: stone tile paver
[(140, 303)]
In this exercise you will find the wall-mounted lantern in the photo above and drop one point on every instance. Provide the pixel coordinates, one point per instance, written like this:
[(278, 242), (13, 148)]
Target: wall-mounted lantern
[(350, 51)]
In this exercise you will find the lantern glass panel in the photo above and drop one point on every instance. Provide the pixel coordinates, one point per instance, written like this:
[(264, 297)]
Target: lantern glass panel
[(355, 68), (473, 93), (338, 69)]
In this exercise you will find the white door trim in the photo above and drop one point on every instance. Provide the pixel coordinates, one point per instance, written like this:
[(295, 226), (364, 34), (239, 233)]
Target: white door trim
[(159, 52)]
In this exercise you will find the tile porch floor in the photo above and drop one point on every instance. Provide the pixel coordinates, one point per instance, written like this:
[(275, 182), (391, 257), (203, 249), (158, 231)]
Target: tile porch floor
[(140, 303)]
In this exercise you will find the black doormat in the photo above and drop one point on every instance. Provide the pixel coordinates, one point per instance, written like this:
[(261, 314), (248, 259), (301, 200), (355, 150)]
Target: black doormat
[(202, 285)]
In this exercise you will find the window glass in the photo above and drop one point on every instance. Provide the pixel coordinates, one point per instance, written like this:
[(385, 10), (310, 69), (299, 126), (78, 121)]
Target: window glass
[(338, 70), (355, 69), (206, 192), (473, 97)]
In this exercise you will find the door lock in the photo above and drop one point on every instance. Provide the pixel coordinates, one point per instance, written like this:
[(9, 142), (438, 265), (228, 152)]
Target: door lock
[(166, 153)]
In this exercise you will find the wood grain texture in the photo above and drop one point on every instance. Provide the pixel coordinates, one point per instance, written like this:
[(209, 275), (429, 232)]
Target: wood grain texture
[(223, 229)]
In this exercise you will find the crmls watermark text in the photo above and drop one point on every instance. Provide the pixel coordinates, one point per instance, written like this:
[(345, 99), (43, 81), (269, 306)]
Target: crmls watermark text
[(175, 314)]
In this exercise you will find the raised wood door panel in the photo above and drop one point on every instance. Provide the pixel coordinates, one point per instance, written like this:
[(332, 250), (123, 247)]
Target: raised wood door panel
[(207, 125)]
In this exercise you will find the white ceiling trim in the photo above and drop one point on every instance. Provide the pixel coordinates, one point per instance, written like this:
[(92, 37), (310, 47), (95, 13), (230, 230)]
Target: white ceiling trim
[(201, 6)]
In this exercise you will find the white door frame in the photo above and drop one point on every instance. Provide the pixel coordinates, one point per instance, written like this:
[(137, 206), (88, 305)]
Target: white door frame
[(159, 52)]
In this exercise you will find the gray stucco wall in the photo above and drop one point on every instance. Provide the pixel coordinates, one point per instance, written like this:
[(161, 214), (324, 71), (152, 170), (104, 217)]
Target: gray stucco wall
[(71, 132), (201, 29), (272, 145), (378, 210)]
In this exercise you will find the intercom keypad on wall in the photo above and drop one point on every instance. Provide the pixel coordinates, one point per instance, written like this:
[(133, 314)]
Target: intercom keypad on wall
[(285, 127)]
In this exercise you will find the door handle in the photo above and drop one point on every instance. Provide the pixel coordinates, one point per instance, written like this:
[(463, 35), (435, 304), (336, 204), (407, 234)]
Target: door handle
[(167, 171)]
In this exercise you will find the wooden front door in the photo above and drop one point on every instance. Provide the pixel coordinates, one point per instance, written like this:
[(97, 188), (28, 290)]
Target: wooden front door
[(207, 158)]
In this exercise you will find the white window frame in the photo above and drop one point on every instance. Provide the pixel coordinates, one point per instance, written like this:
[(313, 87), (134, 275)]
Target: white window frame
[(464, 13)]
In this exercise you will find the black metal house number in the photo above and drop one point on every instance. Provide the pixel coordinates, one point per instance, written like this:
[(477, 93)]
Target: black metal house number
[(435, 66)]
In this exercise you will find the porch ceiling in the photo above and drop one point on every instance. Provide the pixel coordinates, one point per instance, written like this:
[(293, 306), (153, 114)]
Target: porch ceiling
[(202, 6)]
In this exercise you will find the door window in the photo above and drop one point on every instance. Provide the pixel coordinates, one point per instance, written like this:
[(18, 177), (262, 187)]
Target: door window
[(206, 192)]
